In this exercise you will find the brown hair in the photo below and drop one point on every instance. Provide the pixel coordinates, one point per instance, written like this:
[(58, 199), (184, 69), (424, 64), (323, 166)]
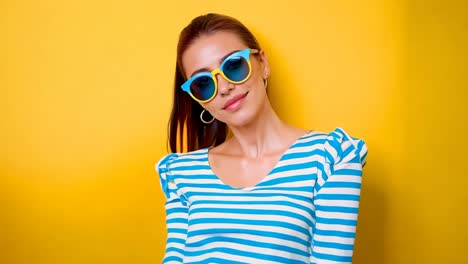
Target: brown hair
[(185, 115)]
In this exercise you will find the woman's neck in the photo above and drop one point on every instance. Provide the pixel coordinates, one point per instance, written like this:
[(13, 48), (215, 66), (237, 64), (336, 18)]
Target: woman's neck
[(266, 134)]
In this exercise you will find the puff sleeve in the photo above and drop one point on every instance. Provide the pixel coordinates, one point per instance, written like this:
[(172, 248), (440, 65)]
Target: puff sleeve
[(336, 198), (176, 213)]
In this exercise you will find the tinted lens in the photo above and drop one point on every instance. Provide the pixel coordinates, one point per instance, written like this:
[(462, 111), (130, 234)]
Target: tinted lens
[(203, 88), (236, 69)]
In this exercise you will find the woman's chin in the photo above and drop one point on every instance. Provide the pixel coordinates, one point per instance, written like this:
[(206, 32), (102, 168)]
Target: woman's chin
[(240, 120)]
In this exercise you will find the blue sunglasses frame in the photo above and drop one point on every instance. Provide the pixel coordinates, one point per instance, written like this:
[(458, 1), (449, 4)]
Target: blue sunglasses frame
[(245, 53)]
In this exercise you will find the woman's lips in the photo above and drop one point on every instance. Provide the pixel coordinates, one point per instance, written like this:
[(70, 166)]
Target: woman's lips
[(234, 103)]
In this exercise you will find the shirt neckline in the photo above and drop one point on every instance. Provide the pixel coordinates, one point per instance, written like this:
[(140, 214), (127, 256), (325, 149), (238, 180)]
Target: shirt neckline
[(250, 188)]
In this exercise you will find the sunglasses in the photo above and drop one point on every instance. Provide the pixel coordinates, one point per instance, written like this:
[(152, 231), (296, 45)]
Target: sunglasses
[(236, 68)]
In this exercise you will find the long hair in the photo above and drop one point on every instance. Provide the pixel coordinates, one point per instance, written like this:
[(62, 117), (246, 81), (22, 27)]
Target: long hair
[(185, 115)]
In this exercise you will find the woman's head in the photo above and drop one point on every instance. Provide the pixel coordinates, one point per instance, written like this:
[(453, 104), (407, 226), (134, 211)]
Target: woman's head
[(209, 42)]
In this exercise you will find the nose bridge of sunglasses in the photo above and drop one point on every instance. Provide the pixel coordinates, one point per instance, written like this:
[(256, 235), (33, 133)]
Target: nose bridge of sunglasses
[(217, 72)]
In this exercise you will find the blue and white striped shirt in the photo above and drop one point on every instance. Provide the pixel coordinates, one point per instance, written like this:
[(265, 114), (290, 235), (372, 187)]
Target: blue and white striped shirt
[(304, 211)]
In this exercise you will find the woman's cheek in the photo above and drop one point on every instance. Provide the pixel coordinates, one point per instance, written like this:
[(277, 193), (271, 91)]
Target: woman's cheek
[(213, 110)]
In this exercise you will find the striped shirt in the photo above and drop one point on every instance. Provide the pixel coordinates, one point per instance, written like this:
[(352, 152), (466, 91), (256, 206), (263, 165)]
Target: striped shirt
[(304, 211)]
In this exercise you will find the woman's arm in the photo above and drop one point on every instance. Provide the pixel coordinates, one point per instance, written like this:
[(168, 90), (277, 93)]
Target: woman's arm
[(336, 199), (176, 214)]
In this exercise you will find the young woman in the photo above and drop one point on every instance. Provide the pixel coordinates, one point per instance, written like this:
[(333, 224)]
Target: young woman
[(269, 192)]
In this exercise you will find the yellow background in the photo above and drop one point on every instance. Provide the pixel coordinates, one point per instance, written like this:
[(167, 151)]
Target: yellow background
[(86, 92)]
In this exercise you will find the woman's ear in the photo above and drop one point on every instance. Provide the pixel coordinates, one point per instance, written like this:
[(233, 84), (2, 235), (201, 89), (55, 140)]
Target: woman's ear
[(264, 64)]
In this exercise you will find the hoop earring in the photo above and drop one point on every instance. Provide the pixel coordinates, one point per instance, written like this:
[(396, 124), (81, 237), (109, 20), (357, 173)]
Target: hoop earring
[(203, 120), (265, 81)]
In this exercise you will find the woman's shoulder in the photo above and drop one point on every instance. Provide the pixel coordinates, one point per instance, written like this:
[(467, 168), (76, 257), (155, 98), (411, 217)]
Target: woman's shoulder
[(341, 147), (336, 146), (170, 160), (169, 163)]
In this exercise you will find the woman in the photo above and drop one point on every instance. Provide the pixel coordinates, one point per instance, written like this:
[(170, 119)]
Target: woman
[(269, 193)]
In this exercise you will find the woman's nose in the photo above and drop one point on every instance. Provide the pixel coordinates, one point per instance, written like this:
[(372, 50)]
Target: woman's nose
[(224, 86)]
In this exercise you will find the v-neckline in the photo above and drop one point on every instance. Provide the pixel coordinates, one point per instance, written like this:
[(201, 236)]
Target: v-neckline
[(250, 188)]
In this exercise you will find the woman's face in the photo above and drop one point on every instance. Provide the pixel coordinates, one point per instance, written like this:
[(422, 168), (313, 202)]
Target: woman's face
[(235, 104)]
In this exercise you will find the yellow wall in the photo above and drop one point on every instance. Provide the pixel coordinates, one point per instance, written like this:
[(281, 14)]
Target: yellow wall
[(85, 97)]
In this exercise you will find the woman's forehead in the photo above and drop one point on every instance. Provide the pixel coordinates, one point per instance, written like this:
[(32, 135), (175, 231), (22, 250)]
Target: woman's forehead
[(208, 50)]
